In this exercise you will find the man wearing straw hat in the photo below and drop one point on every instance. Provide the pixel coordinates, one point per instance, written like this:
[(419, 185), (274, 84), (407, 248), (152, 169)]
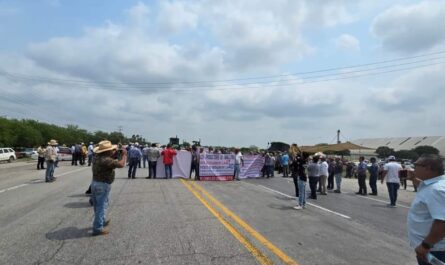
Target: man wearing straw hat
[(50, 157), (103, 176)]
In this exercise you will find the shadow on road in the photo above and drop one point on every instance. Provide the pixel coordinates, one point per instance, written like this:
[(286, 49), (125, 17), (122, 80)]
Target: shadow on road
[(281, 207), (75, 205), (68, 233)]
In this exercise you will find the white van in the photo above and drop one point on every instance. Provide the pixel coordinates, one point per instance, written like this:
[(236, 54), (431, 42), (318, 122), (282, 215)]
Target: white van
[(7, 154)]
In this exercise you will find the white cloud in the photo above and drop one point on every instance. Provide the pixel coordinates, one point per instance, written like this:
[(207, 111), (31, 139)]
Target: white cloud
[(208, 40), (175, 17), (411, 28), (347, 42)]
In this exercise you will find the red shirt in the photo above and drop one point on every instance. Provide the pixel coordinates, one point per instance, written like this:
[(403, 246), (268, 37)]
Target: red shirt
[(168, 156)]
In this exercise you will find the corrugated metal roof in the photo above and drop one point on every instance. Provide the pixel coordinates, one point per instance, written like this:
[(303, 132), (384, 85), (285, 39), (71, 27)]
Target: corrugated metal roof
[(404, 143)]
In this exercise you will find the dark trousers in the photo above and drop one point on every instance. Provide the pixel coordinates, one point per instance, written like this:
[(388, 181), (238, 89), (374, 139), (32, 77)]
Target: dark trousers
[(313, 181), (297, 193), (362, 184), (152, 169), (132, 167), (438, 254), (331, 181), (373, 184), (392, 190), (195, 168), (40, 162)]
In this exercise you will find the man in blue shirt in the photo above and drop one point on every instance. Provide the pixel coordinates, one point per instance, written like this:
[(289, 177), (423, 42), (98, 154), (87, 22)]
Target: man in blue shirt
[(426, 217), (285, 163), (134, 156)]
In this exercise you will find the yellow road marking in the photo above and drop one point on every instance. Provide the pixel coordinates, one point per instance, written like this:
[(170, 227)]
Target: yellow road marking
[(262, 259), (286, 259)]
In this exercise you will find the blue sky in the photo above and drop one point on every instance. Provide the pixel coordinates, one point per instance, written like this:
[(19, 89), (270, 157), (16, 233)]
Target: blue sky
[(108, 46)]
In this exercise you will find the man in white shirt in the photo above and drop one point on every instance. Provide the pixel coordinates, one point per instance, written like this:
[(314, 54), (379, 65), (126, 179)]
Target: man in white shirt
[(239, 162), (391, 172), (324, 172), (426, 217)]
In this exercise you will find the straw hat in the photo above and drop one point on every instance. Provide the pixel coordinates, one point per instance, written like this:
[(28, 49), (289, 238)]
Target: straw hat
[(104, 146), (52, 142)]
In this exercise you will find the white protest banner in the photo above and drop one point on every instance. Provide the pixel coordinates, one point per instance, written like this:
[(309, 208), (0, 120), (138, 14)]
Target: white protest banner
[(222, 166), (182, 162)]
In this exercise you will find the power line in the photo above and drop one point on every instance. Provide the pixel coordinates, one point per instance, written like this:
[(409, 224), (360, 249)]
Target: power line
[(217, 81)]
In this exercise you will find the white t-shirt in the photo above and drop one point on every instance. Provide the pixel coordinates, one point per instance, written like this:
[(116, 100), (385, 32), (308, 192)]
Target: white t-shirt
[(238, 158), (324, 167), (392, 174)]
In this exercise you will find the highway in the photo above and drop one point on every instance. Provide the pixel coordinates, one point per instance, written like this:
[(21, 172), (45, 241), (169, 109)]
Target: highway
[(188, 222)]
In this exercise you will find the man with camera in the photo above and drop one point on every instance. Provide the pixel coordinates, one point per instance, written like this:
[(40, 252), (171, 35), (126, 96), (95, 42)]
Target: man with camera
[(103, 176)]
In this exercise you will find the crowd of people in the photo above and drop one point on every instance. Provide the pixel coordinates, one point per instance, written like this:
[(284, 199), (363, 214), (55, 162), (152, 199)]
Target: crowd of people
[(426, 218)]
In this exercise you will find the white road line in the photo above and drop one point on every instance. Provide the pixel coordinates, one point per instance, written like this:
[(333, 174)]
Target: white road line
[(314, 205), (13, 188), (38, 180), (377, 200)]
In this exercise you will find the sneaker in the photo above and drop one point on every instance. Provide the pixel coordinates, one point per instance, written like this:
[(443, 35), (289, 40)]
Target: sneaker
[(373, 194), (100, 233), (298, 207), (107, 222), (337, 191)]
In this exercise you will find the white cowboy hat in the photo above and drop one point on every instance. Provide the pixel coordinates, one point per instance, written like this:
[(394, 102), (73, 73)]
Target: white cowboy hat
[(104, 146), (52, 142)]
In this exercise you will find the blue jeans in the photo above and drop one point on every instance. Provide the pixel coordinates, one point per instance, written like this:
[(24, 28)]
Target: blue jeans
[(90, 159), (338, 177), (168, 171), (99, 193), (236, 171), (49, 175), (302, 193), (392, 190), (144, 158), (438, 254)]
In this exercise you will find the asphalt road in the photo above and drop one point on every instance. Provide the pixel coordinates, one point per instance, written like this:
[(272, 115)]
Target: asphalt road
[(186, 222)]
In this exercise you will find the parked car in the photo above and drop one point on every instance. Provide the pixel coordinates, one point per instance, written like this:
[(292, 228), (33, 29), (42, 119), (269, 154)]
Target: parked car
[(64, 154), (7, 154), (21, 152), (34, 155)]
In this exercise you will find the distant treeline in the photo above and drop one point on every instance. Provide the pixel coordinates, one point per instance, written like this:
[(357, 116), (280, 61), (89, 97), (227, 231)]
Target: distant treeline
[(32, 133)]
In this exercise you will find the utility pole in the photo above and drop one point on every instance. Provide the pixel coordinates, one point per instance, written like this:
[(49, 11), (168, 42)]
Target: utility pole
[(338, 137), (119, 128)]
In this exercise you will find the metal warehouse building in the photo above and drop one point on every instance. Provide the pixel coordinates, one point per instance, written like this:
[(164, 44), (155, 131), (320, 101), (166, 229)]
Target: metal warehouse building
[(404, 143)]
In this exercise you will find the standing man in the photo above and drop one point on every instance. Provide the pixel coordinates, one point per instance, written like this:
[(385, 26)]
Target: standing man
[(361, 176), (338, 171), (41, 157), (195, 162), (302, 179), (134, 155), (426, 217), (90, 153), (168, 155), (103, 176), (50, 157), (331, 174), (285, 163), (145, 155), (269, 164), (324, 172), (313, 171), (391, 172), (239, 162), (373, 175), (153, 154)]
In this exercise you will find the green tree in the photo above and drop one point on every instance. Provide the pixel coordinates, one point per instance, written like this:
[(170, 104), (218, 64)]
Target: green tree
[(426, 149), (384, 151), (406, 154)]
